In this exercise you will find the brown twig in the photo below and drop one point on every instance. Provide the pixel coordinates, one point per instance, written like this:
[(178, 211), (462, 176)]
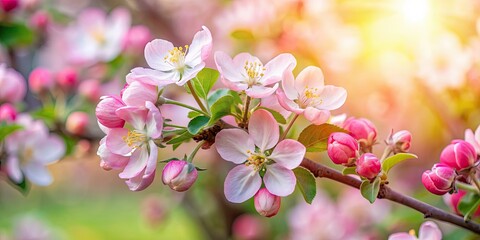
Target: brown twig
[(386, 192)]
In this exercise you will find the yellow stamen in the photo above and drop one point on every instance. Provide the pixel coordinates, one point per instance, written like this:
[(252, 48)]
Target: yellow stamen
[(255, 71), (99, 36), (412, 232), (310, 97), (135, 138), (256, 160), (176, 55)]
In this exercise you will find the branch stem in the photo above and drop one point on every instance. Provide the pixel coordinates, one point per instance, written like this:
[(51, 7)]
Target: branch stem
[(173, 102), (245, 110), (284, 135), (197, 99)]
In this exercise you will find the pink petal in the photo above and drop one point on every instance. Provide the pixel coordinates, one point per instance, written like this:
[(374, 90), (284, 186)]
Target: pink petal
[(190, 73), (231, 70), (241, 183), (279, 180), (138, 162), (276, 67), (172, 170), (263, 129), (470, 138), (13, 169), (155, 52), (288, 86), (429, 231), (49, 150), (401, 236), (37, 173), (115, 143), (154, 122), (257, 91), (137, 93), (152, 158), (136, 116), (316, 116), (200, 48), (111, 160), (141, 181), (150, 76), (311, 77), (288, 153), (233, 145), (288, 104), (235, 86), (332, 97)]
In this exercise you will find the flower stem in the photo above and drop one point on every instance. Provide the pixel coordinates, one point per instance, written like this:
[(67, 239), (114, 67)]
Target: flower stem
[(475, 180), (284, 135), (173, 102), (194, 152), (466, 187), (195, 96), (245, 110), (173, 125), (386, 153)]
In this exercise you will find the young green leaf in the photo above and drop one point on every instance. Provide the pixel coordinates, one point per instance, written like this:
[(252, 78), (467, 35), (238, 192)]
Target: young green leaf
[(15, 33), (23, 187), (196, 124), (7, 129), (221, 108), (370, 190), (306, 183), (193, 114), (185, 136), (391, 161), (349, 170), (315, 137), (469, 204), (204, 81)]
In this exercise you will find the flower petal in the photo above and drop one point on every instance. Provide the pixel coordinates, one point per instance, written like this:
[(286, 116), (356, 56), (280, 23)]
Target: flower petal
[(137, 163), (152, 158), (288, 153), (401, 236), (154, 122), (115, 143), (279, 180), (470, 138), (311, 77), (190, 73), (49, 150), (316, 116), (257, 91), (141, 181), (288, 86), (200, 48), (231, 70), (429, 231), (263, 129), (233, 145), (150, 76), (136, 116), (13, 169), (332, 97), (155, 51), (37, 173), (241, 183), (137, 93), (276, 67), (111, 160), (287, 103)]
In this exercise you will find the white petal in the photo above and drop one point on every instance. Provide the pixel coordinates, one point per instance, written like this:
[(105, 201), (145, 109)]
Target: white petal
[(241, 183), (288, 153), (279, 181), (233, 145), (263, 129)]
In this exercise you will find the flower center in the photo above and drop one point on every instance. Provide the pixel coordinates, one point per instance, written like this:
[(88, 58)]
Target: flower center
[(135, 138), (257, 160), (310, 97), (176, 57), (26, 155), (99, 36), (255, 71)]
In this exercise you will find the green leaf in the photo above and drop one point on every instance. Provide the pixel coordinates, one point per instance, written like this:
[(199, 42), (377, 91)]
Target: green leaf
[(7, 129), (70, 144), (349, 170), (46, 113), (370, 190), (181, 138), (23, 187), (306, 183), (279, 117), (221, 108), (390, 162), (196, 124), (204, 81), (469, 204), (193, 114), (15, 33), (314, 137)]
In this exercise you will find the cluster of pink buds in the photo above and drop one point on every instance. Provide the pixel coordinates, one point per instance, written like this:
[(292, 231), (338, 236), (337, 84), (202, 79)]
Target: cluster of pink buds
[(42, 80)]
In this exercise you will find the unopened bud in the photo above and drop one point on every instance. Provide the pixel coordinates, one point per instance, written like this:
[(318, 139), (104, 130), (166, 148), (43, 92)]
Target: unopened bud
[(179, 175), (40, 80), (400, 141), (342, 148), (368, 166), (266, 203), (361, 129), (440, 179), (7, 112), (106, 112), (77, 123), (459, 155)]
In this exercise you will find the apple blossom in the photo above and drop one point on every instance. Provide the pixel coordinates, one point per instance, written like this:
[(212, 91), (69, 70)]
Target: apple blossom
[(473, 138), (110, 160), (40, 20), (361, 129), (106, 112), (29, 151), (67, 78), (342, 148), (266, 203), (12, 85), (77, 123), (8, 112), (251, 151), (136, 39), (40, 80), (459, 155), (368, 166), (137, 143), (247, 73), (428, 231), (400, 141), (308, 95), (90, 89), (137, 93), (179, 175), (440, 179), (173, 64)]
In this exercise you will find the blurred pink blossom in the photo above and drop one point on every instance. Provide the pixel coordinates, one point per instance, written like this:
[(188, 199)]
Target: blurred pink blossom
[(136, 39), (8, 112), (41, 80), (428, 231), (12, 85), (473, 139)]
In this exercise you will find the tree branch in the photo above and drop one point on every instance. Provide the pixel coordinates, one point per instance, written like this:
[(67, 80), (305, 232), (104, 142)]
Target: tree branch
[(428, 211)]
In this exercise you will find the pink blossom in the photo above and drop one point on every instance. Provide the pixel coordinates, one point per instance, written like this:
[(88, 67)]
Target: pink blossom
[(136, 39), (440, 179), (40, 80), (136, 93), (361, 129), (308, 95), (459, 155), (454, 199), (368, 166), (173, 64), (90, 89), (266, 203), (246, 72), (136, 143), (428, 231), (179, 175), (29, 151), (106, 112), (342, 148), (8, 112), (96, 37), (9, 5), (473, 139), (77, 123), (67, 78), (12, 85), (400, 141), (251, 151)]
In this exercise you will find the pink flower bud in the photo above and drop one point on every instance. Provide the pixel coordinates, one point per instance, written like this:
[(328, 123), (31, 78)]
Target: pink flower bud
[(12, 85), (361, 129), (40, 20), (248, 227), (454, 199), (342, 148), (67, 78), (179, 175), (368, 166), (9, 5), (40, 80), (7, 112), (266, 203), (90, 89), (459, 155), (440, 179), (77, 123), (400, 141), (106, 112), (136, 39)]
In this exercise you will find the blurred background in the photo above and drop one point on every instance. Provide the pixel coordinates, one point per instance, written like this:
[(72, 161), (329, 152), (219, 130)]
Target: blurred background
[(406, 64)]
